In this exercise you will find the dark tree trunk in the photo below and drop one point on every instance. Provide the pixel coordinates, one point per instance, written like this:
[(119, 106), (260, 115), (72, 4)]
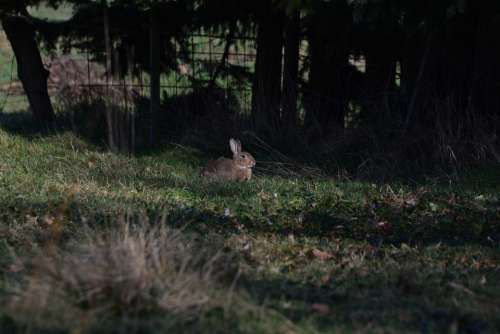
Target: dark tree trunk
[(438, 71), (107, 42), (455, 62), (422, 76), (327, 97), (431, 79), (411, 59), (485, 90), (290, 71), (225, 55), (415, 59), (266, 97), (109, 75), (380, 79), (459, 61), (155, 50), (485, 84), (31, 71)]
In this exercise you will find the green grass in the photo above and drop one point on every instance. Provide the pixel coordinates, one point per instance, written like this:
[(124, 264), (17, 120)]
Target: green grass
[(8, 70), (9, 99), (43, 11), (315, 254)]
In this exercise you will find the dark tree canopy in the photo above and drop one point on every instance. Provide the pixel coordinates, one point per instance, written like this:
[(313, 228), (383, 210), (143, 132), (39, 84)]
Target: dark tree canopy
[(416, 55)]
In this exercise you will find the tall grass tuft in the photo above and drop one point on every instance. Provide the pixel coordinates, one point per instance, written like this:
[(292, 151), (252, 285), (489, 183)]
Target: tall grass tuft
[(135, 270)]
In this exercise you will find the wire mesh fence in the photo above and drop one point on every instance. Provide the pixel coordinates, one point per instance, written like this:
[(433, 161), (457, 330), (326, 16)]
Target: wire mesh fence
[(208, 64)]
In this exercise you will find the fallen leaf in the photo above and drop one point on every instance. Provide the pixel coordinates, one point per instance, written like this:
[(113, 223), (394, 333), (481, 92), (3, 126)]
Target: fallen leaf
[(320, 308), (322, 255), (49, 220), (15, 268), (411, 202), (461, 288), (325, 278), (4, 232), (384, 227), (31, 219)]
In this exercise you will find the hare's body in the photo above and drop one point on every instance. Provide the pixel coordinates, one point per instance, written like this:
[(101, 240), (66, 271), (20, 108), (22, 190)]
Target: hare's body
[(237, 169)]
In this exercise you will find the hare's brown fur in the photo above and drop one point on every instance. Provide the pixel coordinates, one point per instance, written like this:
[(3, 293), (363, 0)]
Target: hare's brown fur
[(237, 169)]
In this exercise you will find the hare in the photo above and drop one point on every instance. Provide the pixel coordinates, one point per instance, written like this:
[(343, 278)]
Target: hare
[(237, 169)]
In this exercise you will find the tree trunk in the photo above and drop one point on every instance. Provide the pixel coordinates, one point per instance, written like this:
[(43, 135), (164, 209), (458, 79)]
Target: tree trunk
[(327, 97), (109, 76), (129, 95), (459, 61), (380, 80), (424, 76), (438, 69), (31, 71), (444, 74), (225, 55), (485, 89), (266, 97), (411, 56), (155, 45), (107, 42), (290, 71)]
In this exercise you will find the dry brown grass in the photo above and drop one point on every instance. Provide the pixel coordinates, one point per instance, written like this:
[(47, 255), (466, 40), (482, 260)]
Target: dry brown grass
[(132, 270)]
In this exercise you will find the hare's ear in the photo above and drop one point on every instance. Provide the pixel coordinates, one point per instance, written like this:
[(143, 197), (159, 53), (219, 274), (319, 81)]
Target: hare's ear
[(235, 146)]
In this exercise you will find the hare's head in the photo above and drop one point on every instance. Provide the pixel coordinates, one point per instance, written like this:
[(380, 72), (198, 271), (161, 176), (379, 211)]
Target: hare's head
[(241, 159)]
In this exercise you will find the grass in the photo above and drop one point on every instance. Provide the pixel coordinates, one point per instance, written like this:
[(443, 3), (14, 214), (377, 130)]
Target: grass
[(9, 98), (124, 270), (7, 72), (298, 254), (43, 11)]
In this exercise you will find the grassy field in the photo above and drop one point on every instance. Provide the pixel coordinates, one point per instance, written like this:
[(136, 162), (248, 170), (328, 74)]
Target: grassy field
[(97, 242)]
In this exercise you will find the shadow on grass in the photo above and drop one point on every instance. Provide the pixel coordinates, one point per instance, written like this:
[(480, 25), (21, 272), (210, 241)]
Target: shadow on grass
[(371, 306), (395, 227), (21, 123), (461, 223), (370, 300), (476, 227)]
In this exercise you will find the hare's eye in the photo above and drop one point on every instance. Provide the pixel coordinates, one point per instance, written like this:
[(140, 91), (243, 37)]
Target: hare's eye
[(244, 156)]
